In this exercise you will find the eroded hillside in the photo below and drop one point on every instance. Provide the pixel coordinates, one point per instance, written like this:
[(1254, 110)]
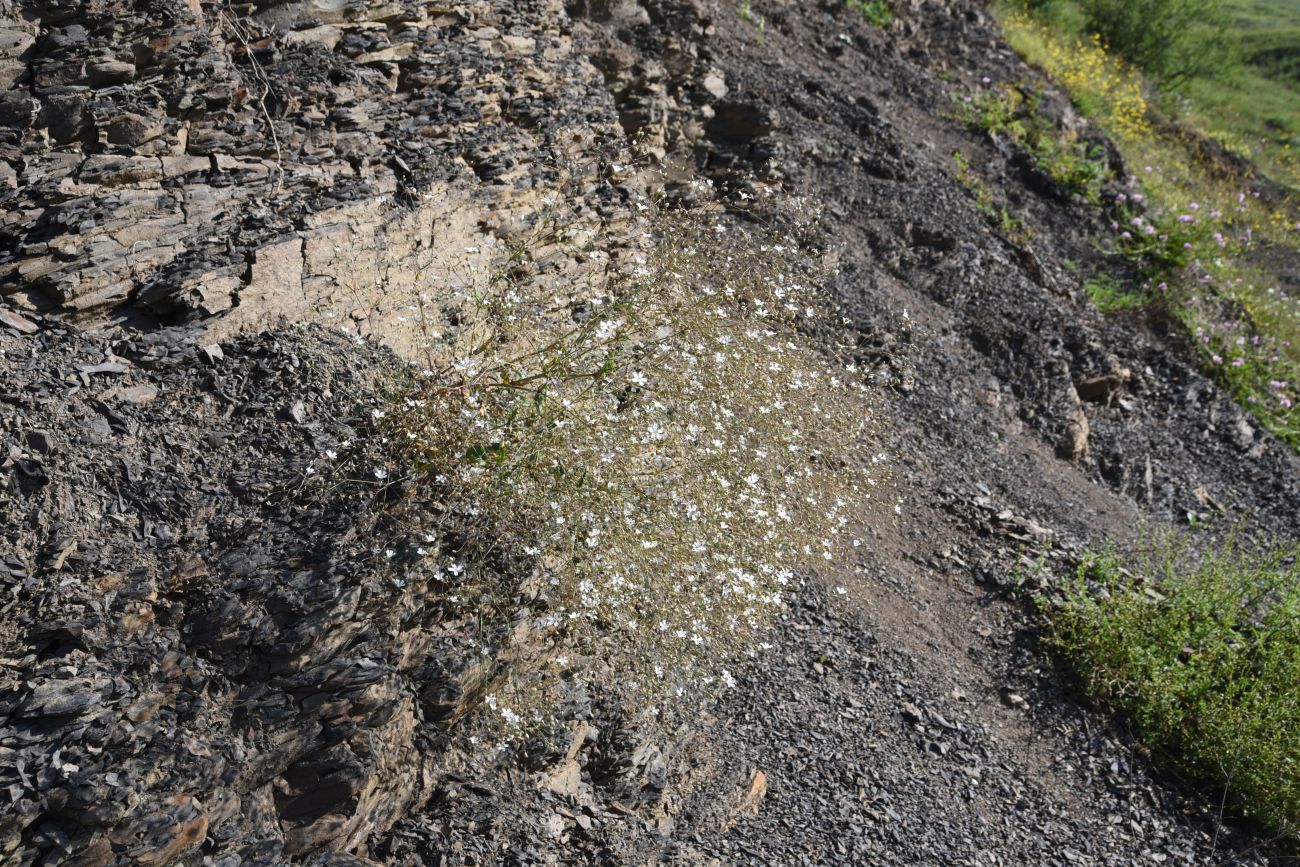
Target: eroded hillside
[(228, 635)]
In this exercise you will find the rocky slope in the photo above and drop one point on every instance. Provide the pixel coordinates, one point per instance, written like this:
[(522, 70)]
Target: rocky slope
[(222, 642)]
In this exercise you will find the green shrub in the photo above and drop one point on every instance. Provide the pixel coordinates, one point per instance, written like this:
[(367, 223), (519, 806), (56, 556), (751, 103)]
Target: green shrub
[(1072, 165), (1109, 295), (1203, 655), (1171, 40)]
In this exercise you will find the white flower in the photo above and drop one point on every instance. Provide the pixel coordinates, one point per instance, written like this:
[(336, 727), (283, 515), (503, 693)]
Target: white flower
[(381, 473)]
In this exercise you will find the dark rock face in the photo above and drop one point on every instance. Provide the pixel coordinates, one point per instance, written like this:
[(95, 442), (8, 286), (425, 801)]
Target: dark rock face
[(184, 158), (212, 629)]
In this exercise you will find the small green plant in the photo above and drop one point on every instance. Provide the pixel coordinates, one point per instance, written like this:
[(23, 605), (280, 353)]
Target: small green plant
[(1011, 226), (759, 21), (1202, 654), (877, 12), (1072, 165), (1109, 296)]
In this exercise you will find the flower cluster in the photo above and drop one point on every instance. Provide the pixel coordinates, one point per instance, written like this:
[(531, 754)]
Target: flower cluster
[(666, 448), (1101, 85)]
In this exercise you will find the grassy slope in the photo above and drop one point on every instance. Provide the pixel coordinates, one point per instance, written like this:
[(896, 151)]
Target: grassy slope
[(1255, 108), (1225, 286), (1202, 652)]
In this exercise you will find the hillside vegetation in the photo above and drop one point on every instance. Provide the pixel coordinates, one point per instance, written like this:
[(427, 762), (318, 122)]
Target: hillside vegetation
[(1195, 648), (1208, 240)]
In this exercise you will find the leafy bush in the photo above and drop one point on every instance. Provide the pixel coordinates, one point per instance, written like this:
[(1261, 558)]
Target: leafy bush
[(665, 448), (1171, 40), (1162, 241), (1203, 654)]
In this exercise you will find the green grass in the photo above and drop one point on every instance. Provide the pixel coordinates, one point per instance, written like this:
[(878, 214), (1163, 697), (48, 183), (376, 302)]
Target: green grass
[(1202, 655), (877, 12), (1254, 107), (1110, 296), (1249, 100)]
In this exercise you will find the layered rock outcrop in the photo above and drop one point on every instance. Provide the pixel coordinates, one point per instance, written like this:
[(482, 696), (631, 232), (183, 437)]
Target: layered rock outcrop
[(305, 159)]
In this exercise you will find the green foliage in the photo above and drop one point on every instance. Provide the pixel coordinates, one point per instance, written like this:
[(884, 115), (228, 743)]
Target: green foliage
[(759, 21), (1109, 295), (1170, 40), (1203, 655), (1072, 165), (1009, 225), (1197, 236), (1162, 242), (877, 12)]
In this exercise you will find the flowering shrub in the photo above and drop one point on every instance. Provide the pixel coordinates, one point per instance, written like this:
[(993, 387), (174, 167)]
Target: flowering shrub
[(1190, 257), (665, 449), (1100, 85), (1171, 40), (1161, 241), (1202, 653)]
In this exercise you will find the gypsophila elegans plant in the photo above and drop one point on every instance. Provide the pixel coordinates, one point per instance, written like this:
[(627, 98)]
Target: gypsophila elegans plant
[(666, 447)]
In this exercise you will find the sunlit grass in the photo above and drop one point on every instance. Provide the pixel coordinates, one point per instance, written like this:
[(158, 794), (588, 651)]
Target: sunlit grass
[(1202, 653)]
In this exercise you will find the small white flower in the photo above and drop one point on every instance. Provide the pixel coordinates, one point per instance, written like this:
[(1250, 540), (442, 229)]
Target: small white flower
[(381, 473)]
